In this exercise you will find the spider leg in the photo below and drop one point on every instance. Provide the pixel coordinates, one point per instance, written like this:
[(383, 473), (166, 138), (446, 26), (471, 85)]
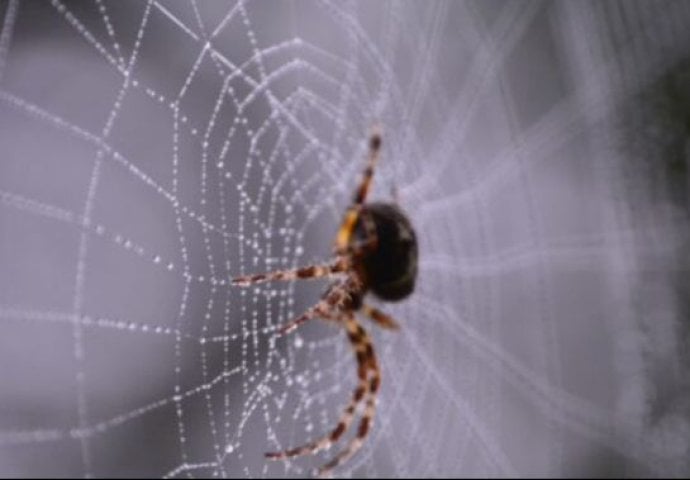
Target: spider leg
[(331, 301), (374, 150), (382, 319), (352, 215), (317, 311), (355, 443), (327, 440), (366, 386), (366, 358), (313, 271)]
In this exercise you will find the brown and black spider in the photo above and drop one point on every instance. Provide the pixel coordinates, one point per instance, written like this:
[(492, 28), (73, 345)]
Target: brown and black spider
[(375, 251)]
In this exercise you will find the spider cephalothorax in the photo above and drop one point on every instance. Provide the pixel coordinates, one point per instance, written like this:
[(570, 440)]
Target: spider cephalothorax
[(375, 251)]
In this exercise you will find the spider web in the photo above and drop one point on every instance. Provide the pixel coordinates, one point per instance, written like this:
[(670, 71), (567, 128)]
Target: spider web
[(150, 151)]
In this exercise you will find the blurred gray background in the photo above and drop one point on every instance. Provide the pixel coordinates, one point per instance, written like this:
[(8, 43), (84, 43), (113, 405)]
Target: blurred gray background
[(149, 151)]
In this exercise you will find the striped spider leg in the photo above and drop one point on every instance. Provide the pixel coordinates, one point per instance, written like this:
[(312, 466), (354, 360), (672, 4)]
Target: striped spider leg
[(369, 380), (343, 240)]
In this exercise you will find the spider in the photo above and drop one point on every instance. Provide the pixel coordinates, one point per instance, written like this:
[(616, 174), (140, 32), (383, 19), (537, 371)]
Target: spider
[(375, 250)]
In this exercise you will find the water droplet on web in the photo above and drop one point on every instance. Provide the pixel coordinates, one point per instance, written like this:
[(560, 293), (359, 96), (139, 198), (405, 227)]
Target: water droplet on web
[(299, 342), (229, 449)]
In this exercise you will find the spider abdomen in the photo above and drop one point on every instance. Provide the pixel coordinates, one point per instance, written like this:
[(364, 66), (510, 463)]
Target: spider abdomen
[(390, 269)]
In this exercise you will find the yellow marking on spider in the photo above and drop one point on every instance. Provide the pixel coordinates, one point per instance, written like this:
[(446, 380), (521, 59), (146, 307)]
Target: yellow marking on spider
[(345, 232)]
